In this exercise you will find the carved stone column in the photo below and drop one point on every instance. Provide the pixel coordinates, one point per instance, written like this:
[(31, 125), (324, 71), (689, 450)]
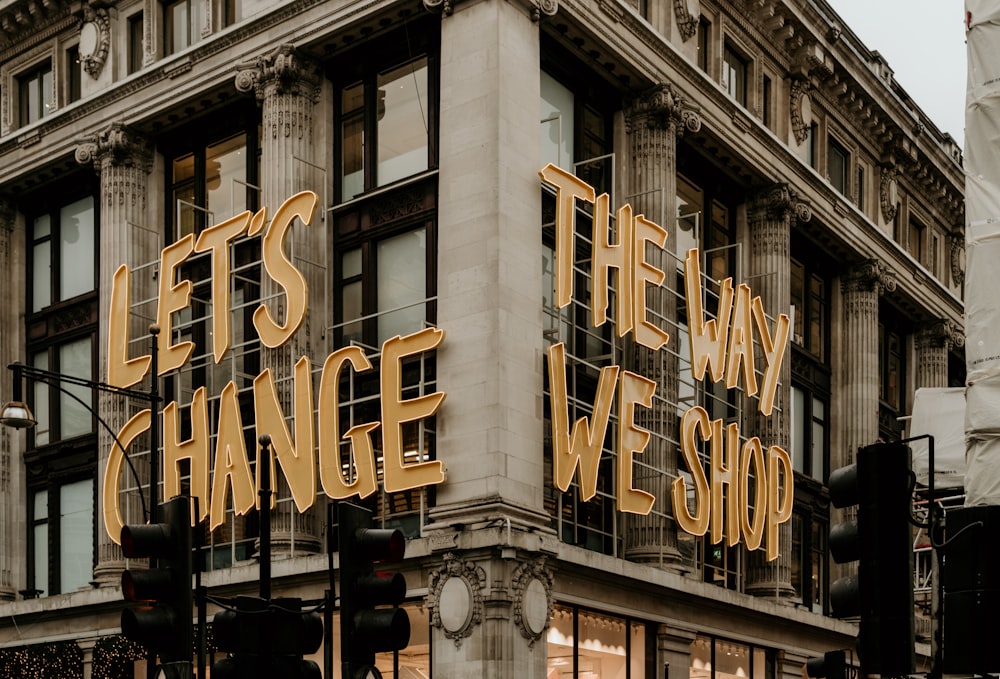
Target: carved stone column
[(861, 288), (11, 321), (123, 160), (932, 344), (286, 84), (770, 215), (653, 122)]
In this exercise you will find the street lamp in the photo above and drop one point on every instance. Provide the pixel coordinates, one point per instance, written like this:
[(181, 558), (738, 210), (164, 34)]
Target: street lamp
[(16, 413)]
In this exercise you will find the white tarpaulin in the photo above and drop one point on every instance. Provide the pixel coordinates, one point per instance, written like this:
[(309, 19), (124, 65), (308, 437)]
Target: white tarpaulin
[(939, 412), (982, 273)]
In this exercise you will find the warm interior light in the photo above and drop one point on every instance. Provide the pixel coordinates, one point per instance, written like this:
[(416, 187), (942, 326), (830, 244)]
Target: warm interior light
[(17, 414)]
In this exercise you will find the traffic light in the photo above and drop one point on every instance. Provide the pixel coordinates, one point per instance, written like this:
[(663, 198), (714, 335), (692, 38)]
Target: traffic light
[(880, 483), (370, 618), (971, 576), (163, 622), (266, 639), (833, 665)]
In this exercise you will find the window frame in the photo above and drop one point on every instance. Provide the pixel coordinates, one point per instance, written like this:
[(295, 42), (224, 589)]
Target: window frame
[(69, 458), (738, 89), (840, 178), (37, 72), (363, 66)]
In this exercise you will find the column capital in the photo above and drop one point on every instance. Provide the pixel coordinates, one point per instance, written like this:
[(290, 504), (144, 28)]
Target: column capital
[(660, 107), (117, 145), (285, 70), (939, 333), (869, 276), (536, 8), (778, 201)]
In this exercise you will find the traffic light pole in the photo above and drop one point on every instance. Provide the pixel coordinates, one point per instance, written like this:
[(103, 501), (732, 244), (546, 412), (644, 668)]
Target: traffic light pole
[(264, 555)]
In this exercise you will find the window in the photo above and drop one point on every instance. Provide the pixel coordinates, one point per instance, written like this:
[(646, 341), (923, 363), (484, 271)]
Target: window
[(135, 42), (915, 241), (837, 161), (714, 658), (734, 75), (74, 73), (809, 298), (861, 189), (35, 94), (584, 151), (704, 33), (765, 104), (584, 643), (183, 21), (61, 459), (386, 118), (891, 365), (809, 433), (809, 555), (810, 145), (213, 174), (232, 12)]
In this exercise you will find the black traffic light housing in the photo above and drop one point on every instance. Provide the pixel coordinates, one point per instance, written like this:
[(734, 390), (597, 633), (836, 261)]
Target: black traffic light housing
[(833, 665), (267, 638), (163, 623), (370, 618), (880, 483)]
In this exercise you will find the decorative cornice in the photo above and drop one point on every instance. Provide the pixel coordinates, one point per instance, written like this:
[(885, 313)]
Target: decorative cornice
[(470, 575), (117, 145), (284, 70), (871, 276), (687, 23), (660, 107), (93, 64)]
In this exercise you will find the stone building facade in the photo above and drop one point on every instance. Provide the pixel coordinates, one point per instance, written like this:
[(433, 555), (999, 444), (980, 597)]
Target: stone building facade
[(763, 134)]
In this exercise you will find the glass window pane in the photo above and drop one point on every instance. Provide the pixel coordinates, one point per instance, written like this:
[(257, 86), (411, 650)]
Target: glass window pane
[(798, 430), (557, 122), (701, 658), (40, 535), (559, 649), (46, 91), (402, 122), (225, 178), (818, 439), (76, 233), (76, 531), (351, 306), (75, 360), (353, 161), (42, 429), (601, 646), (41, 275), (732, 660), (637, 651), (401, 281)]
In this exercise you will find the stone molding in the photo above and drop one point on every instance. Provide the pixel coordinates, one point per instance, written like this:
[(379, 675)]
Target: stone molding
[(525, 575), (93, 64), (687, 23), (473, 577), (538, 9)]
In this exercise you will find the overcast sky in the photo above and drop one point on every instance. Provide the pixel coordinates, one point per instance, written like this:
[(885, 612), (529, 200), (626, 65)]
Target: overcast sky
[(924, 43)]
